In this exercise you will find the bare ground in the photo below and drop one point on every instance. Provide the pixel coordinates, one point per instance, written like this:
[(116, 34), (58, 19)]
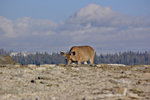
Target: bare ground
[(84, 82)]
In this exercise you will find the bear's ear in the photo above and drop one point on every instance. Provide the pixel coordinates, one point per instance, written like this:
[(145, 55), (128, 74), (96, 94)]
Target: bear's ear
[(63, 54), (73, 53)]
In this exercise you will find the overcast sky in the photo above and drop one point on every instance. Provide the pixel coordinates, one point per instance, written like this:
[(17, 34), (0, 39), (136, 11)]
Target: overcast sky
[(56, 25)]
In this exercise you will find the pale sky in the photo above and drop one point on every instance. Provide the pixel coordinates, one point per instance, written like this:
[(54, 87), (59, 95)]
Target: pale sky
[(54, 25)]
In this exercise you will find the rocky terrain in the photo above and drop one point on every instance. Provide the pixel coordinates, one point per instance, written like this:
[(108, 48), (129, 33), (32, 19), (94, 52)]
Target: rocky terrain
[(73, 82)]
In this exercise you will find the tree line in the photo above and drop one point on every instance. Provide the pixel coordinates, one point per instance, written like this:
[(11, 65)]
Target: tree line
[(39, 58), (127, 58)]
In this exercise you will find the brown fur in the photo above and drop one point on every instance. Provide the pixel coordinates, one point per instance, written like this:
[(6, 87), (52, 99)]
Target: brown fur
[(80, 54)]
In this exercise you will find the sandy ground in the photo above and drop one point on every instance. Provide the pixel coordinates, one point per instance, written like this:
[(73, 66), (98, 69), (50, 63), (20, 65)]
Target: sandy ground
[(84, 82)]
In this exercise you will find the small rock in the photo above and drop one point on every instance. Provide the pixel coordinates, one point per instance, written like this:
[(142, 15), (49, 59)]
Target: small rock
[(39, 77), (99, 65), (36, 99), (122, 72), (32, 81), (83, 98)]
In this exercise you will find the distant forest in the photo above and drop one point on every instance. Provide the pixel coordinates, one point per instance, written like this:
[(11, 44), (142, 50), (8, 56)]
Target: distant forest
[(127, 58)]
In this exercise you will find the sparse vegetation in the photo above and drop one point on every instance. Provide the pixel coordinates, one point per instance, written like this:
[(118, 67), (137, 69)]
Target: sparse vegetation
[(84, 81), (5, 59)]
